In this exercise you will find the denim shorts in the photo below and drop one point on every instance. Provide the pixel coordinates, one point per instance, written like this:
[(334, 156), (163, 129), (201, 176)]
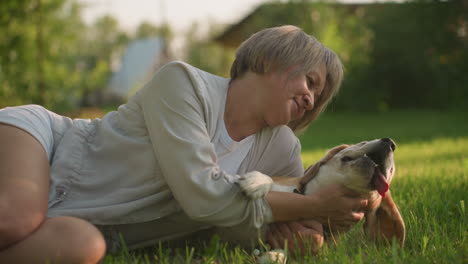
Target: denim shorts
[(47, 127)]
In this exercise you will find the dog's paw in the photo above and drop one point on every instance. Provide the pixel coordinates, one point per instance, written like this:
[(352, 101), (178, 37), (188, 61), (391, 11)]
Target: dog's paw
[(255, 184)]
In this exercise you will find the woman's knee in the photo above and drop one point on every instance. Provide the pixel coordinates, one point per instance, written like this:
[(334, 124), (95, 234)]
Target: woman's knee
[(16, 224), (58, 240), (85, 243)]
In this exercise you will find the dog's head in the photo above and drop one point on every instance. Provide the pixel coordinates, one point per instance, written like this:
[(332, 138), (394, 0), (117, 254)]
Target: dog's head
[(367, 167)]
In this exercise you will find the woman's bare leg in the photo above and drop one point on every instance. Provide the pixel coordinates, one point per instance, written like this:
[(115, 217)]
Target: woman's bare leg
[(58, 240), (24, 230), (24, 184)]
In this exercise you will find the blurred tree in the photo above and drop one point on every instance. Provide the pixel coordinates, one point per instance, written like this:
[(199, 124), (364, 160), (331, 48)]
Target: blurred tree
[(35, 47), (396, 55), (48, 56), (146, 30), (204, 53), (418, 59), (103, 44)]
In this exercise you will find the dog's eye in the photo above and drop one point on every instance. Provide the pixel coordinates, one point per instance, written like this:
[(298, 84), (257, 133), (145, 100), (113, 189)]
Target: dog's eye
[(346, 158)]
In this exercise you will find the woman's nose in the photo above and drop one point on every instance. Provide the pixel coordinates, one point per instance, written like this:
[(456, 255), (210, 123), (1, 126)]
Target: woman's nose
[(308, 101)]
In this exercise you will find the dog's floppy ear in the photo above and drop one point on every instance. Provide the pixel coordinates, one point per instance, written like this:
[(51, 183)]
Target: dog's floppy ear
[(386, 222), (310, 173)]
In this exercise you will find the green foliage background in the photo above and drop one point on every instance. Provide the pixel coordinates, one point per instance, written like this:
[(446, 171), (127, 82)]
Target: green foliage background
[(49, 56), (397, 55)]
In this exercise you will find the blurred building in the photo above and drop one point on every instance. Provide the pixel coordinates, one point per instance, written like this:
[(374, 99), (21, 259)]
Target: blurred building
[(139, 62)]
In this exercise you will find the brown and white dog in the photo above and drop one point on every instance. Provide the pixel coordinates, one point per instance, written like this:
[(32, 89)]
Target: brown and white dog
[(367, 167)]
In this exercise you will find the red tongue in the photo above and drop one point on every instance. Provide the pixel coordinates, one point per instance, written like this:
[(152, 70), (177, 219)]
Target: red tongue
[(380, 183)]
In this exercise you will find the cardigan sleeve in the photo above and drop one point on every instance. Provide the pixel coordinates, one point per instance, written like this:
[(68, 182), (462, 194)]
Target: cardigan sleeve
[(175, 113)]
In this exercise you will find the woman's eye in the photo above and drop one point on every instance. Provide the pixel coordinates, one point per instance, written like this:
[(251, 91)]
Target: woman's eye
[(346, 158), (310, 82)]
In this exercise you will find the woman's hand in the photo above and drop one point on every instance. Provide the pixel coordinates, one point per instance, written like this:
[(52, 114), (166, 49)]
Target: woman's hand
[(338, 207), (335, 206), (302, 236)]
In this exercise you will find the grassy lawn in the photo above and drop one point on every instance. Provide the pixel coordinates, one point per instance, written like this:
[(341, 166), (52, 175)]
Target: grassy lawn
[(430, 188)]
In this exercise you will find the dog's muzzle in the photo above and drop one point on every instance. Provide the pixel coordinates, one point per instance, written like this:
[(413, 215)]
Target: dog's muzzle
[(380, 155)]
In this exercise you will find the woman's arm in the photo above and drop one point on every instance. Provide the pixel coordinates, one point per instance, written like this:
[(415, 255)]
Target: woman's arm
[(179, 114)]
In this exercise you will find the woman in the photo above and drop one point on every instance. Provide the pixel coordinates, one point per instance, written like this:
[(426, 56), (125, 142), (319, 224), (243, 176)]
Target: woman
[(165, 164)]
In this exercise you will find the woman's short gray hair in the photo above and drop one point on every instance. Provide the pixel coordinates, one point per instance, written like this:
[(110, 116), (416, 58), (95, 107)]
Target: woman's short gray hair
[(279, 48)]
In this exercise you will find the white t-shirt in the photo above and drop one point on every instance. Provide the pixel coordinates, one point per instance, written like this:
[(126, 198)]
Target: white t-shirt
[(231, 153)]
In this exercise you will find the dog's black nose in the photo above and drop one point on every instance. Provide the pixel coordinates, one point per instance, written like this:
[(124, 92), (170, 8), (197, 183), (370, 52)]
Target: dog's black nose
[(390, 142)]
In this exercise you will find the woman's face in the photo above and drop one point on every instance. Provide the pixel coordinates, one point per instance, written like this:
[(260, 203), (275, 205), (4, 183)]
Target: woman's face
[(290, 95)]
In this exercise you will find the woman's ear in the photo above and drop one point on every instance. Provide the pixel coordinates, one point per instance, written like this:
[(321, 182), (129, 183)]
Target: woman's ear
[(386, 222), (310, 172)]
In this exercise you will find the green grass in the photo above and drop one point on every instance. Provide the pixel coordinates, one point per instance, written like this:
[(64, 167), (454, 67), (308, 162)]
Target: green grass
[(430, 188)]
